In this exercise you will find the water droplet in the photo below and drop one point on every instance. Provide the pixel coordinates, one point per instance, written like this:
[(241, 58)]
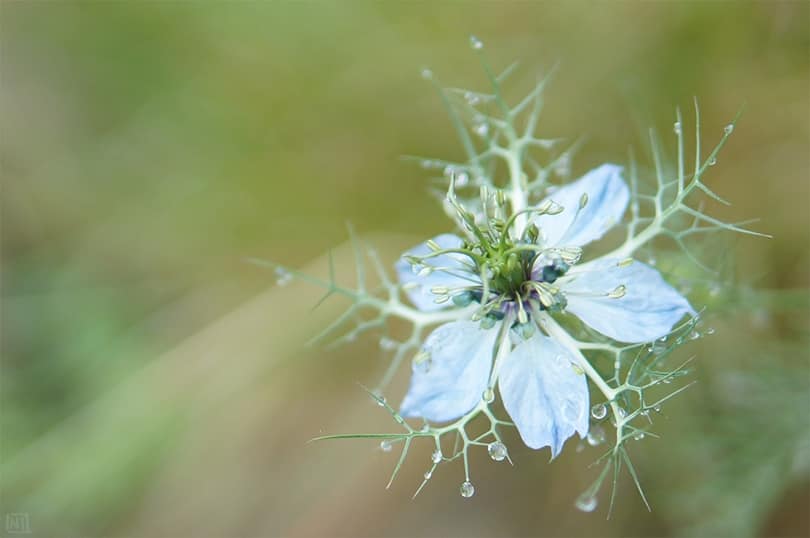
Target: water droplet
[(497, 451), (694, 336), (476, 43), (462, 179), (425, 428), (545, 143), (467, 490), (677, 127), (596, 436), (563, 166), (427, 74), (621, 412), (728, 129), (666, 380), (657, 408), (428, 474), (481, 129), (638, 436), (471, 98), (283, 276), (618, 292), (488, 395), (712, 161), (381, 401), (710, 331), (599, 411), (436, 457), (385, 445), (587, 503)]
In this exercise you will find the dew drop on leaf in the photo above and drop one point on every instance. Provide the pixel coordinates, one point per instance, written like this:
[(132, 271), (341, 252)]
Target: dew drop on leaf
[(586, 503), (467, 490), (497, 451)]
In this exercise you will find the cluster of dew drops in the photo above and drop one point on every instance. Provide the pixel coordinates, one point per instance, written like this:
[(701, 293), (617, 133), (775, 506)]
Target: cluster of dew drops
[(496, 450)]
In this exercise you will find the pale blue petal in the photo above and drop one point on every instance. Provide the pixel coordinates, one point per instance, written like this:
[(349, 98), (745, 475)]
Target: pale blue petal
[(453, 378), (544, 393), (608, 196), (647, 310), (455, 272)]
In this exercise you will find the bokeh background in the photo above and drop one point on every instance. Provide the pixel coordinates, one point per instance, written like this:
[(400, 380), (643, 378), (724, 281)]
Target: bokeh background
[(154, 384)]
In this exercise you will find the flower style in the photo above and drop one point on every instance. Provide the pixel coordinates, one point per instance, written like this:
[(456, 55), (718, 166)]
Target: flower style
[(513, 280)]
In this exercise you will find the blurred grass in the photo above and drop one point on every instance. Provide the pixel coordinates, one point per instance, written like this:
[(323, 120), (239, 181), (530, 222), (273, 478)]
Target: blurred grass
[(148, 148)]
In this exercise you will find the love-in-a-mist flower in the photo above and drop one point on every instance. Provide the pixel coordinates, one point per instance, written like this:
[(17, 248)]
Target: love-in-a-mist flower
[(513, 280)]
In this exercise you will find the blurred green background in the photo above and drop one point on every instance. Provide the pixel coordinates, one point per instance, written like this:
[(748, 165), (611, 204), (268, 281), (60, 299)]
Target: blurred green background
[(155, 384)]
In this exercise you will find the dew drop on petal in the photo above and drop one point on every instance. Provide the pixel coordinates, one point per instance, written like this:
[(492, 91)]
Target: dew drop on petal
[(436, 457), (467, 490), (599, 411), (497, 451), (385, 445), (476, 43), (587, 503)]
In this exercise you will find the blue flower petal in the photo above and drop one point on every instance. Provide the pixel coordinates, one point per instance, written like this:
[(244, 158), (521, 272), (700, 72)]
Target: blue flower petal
[(453, 378), (647, 310), (452, 271), (546, 396), (608, 196)]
